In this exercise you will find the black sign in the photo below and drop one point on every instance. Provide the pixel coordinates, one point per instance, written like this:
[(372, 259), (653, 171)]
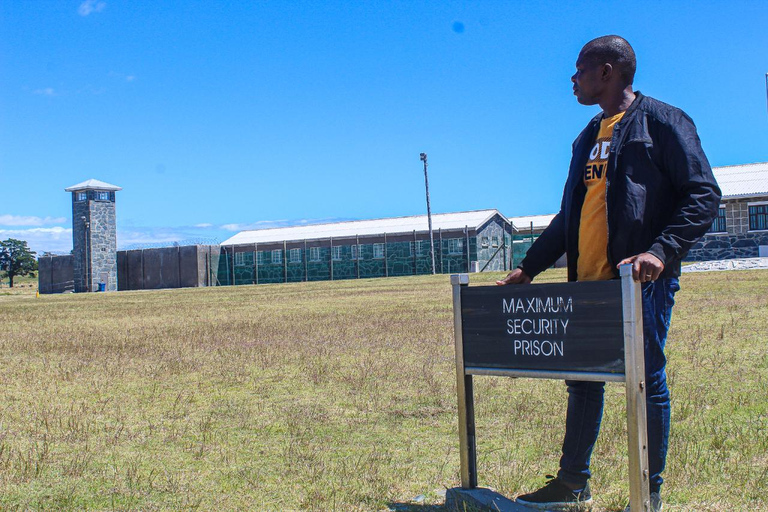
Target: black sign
[(571, 327)]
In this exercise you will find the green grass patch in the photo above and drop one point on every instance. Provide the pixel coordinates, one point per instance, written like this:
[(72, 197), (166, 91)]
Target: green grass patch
[(341, 396)]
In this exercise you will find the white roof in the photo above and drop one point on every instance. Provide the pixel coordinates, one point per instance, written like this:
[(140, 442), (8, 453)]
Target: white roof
[(390, 226), (747, 180), (91, 185), (539, 221)]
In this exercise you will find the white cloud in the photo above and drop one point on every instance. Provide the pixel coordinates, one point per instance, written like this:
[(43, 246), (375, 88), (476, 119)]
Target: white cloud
[(47, 91), (55, 239), (90, 6), (203, 225), (29, 220)]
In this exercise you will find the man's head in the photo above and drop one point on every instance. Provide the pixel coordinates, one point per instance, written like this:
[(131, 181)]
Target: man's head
[(606, 65)]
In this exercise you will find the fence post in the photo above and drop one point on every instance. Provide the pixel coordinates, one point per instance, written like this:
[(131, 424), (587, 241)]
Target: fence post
[(256, 263), (467, 440), (357, 251), (386, 254), (637, 427), (285, 261), (466, 239), (330, 256)]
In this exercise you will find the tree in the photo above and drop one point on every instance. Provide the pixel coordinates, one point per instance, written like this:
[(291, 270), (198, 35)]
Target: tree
[(16, 259)]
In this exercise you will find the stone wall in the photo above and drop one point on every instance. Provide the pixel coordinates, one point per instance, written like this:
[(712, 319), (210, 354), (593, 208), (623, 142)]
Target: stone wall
[(727, 246), (494, 246)]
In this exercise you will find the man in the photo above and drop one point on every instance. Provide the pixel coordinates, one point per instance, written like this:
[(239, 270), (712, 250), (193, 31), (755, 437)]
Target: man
[(639, 190)]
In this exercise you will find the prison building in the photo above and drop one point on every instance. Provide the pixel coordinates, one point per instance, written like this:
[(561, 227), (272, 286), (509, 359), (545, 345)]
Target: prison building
[(741, 227), (473, 241)]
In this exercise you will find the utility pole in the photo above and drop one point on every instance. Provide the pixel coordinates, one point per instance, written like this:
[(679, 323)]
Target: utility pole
[(423, 157)]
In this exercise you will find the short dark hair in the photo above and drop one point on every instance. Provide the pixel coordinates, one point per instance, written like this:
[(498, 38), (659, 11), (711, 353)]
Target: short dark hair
[(614, 50)]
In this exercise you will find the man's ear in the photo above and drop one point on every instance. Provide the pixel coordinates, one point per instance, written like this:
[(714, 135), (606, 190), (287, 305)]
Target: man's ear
[(607, 72)]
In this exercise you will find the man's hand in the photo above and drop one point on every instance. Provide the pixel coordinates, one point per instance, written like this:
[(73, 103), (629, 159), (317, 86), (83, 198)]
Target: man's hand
[(645, 267), (517, 276)]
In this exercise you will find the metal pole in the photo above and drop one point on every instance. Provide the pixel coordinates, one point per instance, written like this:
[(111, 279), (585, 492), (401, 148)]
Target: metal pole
[(634, 369), (233, 265), (414, 252), (467, 440), (357, 253), (306, 271), (423, 157), (330, 257), (285, 261), (766, 89)]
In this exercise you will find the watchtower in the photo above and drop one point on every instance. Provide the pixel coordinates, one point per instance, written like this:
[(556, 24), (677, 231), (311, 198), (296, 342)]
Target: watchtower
[(94, 235)]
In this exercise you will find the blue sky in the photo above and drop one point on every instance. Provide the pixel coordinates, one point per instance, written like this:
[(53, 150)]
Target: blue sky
[(219, 116)]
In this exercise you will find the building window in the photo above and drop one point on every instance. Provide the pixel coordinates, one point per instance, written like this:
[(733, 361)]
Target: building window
[(495, 241), (102, 195), (378, 251), (314, 254), (719, 226), (294, 256), (455, 246), (239, 258), (277, 256), (259, 257), (484, 241), (758, 217), (356, 252), (81, 196), (336, 252)]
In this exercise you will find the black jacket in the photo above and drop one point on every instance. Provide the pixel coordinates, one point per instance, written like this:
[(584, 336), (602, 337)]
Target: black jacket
[(661, 195)]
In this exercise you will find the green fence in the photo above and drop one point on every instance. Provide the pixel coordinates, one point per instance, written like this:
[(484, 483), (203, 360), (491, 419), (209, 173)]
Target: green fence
[(322, 263)]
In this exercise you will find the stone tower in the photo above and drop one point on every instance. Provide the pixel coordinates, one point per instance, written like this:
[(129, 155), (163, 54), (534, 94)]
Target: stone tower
[(94, 237)]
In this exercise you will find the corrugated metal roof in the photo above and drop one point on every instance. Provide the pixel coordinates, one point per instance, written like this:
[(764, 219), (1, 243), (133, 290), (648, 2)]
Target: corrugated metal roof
[(390, 226), (91, 185), (747, 180), (524, 223)]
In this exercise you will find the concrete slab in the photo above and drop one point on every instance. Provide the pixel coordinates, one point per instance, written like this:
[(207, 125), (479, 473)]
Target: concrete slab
[(481, 500)]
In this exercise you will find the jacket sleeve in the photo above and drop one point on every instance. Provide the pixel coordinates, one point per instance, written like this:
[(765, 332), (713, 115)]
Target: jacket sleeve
[(695, 187), (547, 248)]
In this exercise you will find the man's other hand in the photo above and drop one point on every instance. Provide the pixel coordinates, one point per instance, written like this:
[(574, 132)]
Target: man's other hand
[(645, 267), (517, 276)]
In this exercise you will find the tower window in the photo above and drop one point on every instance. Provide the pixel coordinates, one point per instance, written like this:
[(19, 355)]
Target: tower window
[(102, 195), (81, 196)]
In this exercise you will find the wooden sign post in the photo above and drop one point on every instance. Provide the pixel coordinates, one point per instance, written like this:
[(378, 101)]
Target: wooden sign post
[(590, 331)]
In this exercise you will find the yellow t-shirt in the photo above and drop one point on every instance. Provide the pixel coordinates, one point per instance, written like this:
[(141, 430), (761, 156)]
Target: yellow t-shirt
[(593, 230)]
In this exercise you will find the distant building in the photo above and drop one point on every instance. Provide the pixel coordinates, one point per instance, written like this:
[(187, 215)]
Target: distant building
[(464, 242), (94, 236), (741, 228)]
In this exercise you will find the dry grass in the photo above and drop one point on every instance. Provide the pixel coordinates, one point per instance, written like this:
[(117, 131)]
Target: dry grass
[(340, 396)]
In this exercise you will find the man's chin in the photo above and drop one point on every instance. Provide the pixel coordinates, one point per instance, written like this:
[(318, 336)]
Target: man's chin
[(586, 101)]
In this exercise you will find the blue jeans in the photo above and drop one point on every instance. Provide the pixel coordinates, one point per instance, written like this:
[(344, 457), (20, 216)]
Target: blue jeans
[(585, 399)]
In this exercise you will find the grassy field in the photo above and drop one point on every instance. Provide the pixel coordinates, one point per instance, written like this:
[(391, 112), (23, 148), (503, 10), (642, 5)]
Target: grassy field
[(341, 396)]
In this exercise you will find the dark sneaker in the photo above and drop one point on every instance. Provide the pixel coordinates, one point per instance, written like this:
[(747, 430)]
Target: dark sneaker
[(656, 503), (555, 495)]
